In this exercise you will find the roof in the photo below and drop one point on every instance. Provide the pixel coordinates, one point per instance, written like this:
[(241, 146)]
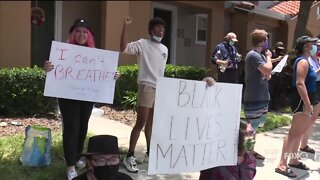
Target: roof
[(286, 7)]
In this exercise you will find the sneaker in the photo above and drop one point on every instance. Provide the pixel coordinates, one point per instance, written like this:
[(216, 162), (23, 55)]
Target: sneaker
[(72, 173), (146, 158), (130, 164), (81, 163)]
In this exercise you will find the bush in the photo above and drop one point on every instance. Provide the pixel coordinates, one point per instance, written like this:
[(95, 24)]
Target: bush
[(22, 88), (22, 92), (127, 86)]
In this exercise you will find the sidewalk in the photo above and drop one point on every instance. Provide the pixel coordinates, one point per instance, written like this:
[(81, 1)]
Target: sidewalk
[(268, 144)]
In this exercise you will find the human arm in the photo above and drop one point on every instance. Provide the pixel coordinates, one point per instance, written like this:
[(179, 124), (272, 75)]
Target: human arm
[(276, 59), (302, 70), (124, 34), (266, 68), (217, 57)]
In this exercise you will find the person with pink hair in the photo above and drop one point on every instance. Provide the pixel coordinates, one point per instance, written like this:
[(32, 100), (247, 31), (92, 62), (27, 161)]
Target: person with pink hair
[(75, 113)]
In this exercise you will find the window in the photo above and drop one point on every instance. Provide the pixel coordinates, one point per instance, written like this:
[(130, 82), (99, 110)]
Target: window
[(318, 12), (201, 29)]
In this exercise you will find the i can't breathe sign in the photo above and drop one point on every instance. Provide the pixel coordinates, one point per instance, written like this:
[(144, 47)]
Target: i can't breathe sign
[(81, 73)]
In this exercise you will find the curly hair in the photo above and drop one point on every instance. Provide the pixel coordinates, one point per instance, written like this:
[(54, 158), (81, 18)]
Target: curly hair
[(155, 21)]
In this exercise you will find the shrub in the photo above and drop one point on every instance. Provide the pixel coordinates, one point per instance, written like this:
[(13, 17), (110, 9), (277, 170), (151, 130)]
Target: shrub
[(128, 81), (22, 92)]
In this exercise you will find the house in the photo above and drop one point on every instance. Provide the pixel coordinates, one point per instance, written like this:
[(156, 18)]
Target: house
[(193, 28), (278, 18)]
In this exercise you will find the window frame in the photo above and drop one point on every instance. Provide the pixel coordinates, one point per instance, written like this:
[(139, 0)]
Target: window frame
[(198, 16)]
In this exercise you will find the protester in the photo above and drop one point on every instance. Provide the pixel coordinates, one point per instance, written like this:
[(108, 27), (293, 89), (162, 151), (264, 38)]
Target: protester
[(314, 62), (303, 99), (226, 57), (152, 58), (276, 80), (103, 160), (258, 69), (246, 163), (75, 114)]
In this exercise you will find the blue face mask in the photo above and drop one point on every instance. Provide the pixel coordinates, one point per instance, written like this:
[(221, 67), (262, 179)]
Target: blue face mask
[(266, 45), (231, 43), (313, 51)]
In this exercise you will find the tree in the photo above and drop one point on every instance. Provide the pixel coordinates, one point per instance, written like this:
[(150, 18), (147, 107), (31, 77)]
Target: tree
[(303, 16)]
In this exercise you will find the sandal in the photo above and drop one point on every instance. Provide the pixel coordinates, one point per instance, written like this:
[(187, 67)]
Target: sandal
[(301, 165), (258, 156), (288, 172), (308, 149)]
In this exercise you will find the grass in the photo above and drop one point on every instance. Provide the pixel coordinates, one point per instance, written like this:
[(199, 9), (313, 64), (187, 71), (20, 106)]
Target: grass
[(273, 120), (11, 168)]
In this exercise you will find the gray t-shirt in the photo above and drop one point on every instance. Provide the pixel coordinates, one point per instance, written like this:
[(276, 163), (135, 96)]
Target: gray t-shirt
[(257, 87)]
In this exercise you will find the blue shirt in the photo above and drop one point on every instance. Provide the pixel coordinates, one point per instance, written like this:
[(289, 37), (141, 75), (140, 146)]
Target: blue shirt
[(311, 77), (257, 86), (224, 51)]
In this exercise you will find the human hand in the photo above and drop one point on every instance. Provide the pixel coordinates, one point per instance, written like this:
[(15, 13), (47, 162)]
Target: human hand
[(279, 58), (127, 20), (117, 75), (48, 66), (308, 110), (269, 54), (239, 57), (268, 77), (209, 80)]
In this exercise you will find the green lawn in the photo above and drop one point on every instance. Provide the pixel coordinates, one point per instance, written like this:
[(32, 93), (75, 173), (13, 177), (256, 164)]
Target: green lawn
[(10, 167)]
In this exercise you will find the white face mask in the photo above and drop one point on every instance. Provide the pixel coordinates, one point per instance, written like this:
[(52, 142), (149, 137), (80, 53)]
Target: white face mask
[(157, 38)]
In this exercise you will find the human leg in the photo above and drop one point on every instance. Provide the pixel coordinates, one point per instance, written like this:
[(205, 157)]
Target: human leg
[(86, 109), (148, 129), (70, 112)]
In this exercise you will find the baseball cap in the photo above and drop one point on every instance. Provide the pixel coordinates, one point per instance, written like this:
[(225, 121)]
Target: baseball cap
[(279, 45), (301, 41), (232, 36), (80, 23)]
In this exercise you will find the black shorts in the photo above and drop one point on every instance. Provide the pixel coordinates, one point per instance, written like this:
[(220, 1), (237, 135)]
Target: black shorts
[(317, 99), (297, 103)]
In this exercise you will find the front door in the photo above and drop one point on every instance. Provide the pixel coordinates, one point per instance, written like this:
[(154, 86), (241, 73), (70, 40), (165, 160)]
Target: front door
[(166, 15), (42, 35)]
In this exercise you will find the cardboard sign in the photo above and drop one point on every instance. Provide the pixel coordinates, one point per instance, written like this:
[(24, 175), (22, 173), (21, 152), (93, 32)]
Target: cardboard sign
[(195, 127), (280, 65), (81, 73)]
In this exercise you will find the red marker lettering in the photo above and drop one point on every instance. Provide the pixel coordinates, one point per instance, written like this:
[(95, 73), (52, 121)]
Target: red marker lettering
[(62, 50)]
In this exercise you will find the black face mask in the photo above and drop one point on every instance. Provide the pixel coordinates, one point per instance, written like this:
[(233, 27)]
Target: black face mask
[(104, 172), (279, 52)]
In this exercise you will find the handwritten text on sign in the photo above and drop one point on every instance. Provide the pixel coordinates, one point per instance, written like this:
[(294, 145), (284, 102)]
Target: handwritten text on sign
[(81, 73), (195, 127)]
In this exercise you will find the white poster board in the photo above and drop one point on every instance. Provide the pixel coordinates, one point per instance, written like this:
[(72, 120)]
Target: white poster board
[(195, 127), (81, 73), (280, 65)]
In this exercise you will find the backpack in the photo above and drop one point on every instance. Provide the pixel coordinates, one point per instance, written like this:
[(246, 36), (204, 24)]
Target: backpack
[(36, 150)]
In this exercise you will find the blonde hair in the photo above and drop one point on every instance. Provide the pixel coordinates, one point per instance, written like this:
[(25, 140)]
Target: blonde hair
[(258, 36)]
